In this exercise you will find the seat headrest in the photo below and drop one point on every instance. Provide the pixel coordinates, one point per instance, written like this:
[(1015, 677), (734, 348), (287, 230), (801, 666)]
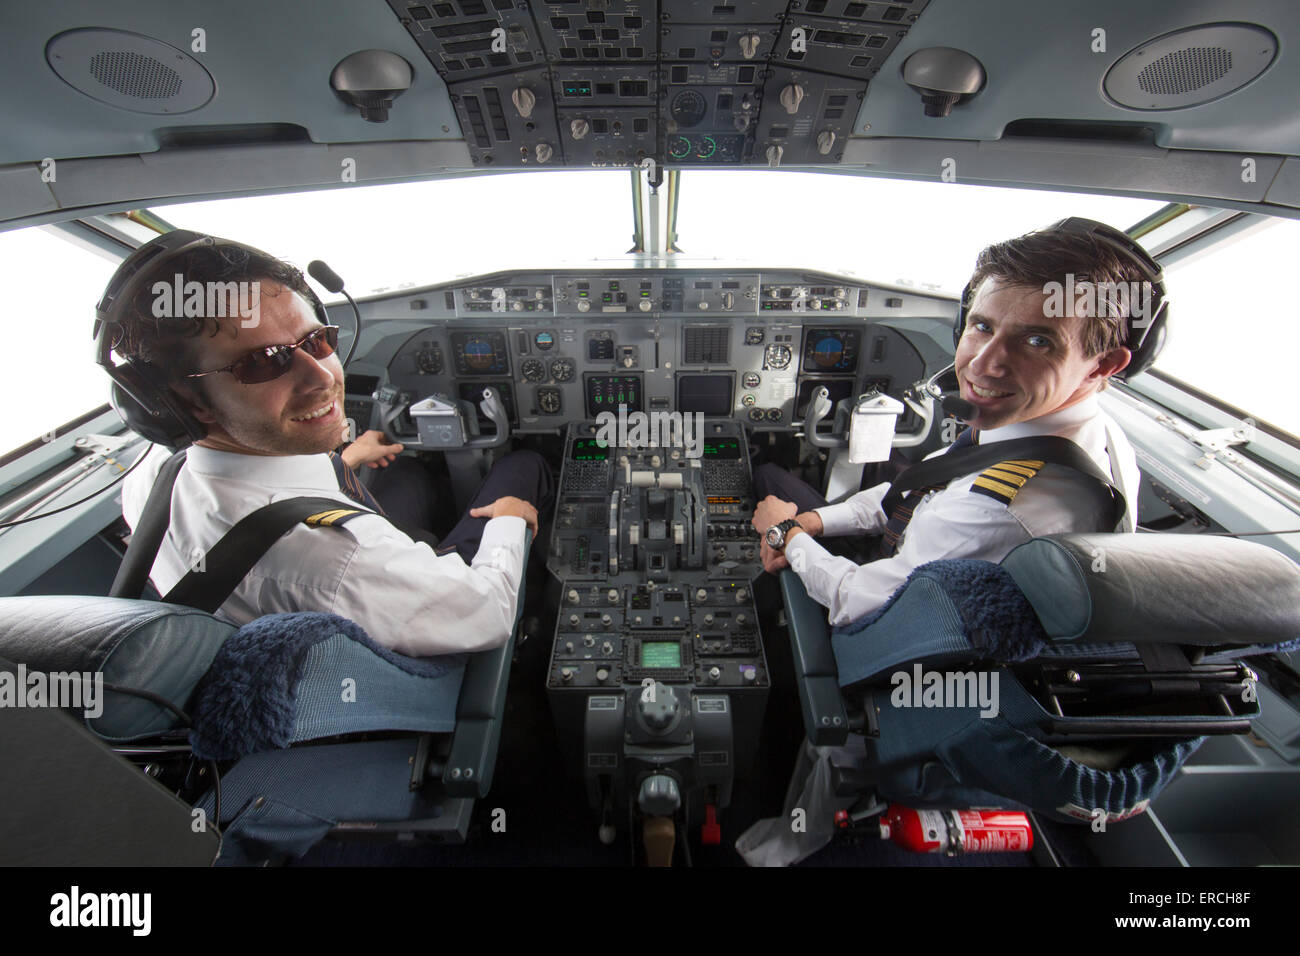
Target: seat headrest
[(1159, 589), (160, 648)]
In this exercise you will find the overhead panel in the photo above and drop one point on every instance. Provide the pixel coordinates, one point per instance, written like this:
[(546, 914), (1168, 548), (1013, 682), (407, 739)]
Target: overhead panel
[(593, 83)]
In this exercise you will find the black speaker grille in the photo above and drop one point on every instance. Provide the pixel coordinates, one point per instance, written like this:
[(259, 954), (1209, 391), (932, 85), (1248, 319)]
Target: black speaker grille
[(133, 74), (706, 345), (1183, 71)]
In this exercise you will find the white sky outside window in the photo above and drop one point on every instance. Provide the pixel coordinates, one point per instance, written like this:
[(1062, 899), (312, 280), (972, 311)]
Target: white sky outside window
[(1234, 328), (48, 374), (386, 238), (887, 230)]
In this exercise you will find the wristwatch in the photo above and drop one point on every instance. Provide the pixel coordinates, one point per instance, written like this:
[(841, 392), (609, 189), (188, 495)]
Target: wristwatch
[(775, 535)]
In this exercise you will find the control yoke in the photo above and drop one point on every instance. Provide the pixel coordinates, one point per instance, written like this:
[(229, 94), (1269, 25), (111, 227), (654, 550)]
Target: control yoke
[(493, 408), (924, 397), (440, 424)]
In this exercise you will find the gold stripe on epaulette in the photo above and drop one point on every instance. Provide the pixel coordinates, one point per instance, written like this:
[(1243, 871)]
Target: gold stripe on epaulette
[(330, 517), (1009, 477), (1016, 469), (1004, 480)]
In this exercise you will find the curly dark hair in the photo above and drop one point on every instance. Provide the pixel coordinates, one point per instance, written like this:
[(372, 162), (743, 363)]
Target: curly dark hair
[(168, 343), (1049, 255)]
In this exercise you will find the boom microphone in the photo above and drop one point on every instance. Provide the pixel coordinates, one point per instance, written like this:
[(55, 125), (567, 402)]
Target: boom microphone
[(331, 281), (326, 276)]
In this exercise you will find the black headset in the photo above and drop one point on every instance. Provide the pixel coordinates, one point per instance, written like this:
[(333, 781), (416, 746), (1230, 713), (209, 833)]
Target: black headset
[(140, 393), (1145, 341)]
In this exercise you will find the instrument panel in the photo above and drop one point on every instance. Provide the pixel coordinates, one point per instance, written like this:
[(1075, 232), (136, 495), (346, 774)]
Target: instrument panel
[(750, 347)]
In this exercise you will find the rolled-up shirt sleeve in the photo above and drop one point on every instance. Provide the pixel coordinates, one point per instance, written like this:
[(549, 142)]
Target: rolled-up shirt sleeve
[(954, 526), (423, 603), (859, 514)]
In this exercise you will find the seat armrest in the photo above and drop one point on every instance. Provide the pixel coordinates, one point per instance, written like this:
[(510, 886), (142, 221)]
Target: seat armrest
[(825, 720), (480, 710)]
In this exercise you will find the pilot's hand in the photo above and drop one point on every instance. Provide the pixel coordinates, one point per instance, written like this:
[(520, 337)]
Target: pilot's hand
[(773, 561), (372, 450), (772, 511), (508, 507)]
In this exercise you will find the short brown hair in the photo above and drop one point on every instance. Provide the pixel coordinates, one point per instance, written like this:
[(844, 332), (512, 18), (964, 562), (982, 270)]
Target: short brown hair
[(167, 343), (1049, 255)]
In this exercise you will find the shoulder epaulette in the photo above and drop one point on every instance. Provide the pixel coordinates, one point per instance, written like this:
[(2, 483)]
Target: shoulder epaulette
[(1004, 480), (336, 516)]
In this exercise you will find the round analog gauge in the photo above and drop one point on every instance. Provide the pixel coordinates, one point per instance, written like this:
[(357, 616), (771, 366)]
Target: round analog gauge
[(562, 370), (755, 414), (749, 401), (429, 361), (706, 147), (754, 335), (679, 147), (688, 109), (774, 414), (533, 370), (544, 340), (751, 380), (548, 400), (777, 356)]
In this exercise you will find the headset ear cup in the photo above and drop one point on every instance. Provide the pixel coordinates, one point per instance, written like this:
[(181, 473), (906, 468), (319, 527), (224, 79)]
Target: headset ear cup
[(171, 424), (959, 326), (1149, 347)]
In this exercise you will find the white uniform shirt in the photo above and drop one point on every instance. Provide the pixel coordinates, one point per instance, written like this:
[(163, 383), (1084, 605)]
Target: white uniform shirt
[(956, 523), (403, 594)]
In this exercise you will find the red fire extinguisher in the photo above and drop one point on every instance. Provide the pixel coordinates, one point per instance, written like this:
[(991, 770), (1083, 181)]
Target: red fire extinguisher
[(957, 831)]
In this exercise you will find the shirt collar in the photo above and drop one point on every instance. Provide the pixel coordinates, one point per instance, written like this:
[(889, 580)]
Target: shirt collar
[(287, 471), (1052, 423)]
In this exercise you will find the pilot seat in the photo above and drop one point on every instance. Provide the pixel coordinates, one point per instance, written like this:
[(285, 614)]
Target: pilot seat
[(1111, 658)]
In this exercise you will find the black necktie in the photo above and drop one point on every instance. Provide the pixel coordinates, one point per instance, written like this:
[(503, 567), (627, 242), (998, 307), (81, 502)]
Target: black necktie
[(351, 485), (902, 512)]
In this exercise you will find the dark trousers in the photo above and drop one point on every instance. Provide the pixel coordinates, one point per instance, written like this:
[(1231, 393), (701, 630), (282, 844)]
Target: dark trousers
[(772, 479), (409, 496)]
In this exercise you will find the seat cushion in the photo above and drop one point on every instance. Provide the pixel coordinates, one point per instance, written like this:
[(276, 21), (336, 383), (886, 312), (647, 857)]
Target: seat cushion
[(162, 649)]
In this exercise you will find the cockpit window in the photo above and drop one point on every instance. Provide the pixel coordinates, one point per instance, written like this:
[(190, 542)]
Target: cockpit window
[(382, 239), (48, 375), (923, 234), (1233, 330)]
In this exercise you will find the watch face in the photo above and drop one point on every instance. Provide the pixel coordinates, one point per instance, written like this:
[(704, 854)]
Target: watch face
[(775, 537)]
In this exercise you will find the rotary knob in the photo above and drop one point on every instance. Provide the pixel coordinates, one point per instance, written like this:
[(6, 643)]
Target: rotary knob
[(660, 713), (544, 152), (573, 596), (583, 305), (791, 96), (579, 128), (606, 620), (714, 674), (645, 305), (701, 595), (524, 100), (612, 595)]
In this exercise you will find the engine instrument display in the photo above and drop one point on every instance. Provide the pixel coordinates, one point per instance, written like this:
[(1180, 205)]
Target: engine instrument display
[(605, 393)]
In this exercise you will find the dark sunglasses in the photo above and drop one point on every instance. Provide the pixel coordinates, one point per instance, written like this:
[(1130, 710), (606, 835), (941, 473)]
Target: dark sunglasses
[(267, 364)]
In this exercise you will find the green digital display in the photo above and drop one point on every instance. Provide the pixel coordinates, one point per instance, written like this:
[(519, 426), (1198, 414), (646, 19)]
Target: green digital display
[(661, 654), (588, 449), (722, 448)]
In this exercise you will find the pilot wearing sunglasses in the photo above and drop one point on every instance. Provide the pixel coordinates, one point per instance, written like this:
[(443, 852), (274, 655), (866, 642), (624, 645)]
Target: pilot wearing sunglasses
[(265, 388)]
